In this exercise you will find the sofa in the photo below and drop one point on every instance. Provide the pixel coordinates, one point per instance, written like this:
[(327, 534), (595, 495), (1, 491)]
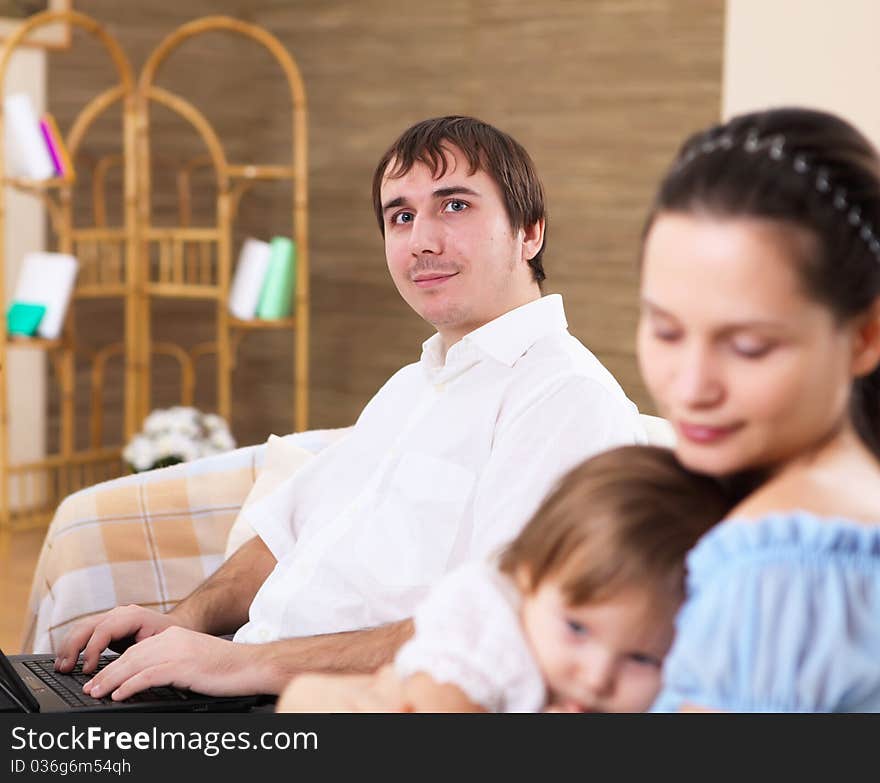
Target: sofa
[(150, 538)]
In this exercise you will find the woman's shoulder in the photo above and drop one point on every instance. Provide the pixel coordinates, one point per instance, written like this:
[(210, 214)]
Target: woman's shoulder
[(781, 614), (845, 486), (785, 539)]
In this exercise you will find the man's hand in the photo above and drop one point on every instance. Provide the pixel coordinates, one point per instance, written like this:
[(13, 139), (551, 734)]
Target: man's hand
[(93, 635), (182, 658)]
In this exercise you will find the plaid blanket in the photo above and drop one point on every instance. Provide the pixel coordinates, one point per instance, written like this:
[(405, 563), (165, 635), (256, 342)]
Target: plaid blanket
[(148, 539)]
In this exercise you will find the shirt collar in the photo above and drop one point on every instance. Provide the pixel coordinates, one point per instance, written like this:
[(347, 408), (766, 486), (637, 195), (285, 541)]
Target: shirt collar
[(505, 339)]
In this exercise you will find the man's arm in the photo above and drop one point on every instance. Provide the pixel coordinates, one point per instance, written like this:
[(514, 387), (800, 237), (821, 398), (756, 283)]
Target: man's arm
[(219, 605), (207, 664)]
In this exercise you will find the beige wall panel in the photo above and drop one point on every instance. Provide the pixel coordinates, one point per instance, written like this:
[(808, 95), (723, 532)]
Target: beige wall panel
[(600, 92), (809, 52)]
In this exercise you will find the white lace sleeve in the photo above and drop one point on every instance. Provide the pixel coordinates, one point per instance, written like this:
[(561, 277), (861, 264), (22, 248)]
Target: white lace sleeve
[(468, 634)]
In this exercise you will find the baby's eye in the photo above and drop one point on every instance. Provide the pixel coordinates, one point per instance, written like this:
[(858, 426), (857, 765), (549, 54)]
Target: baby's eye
[(575, 627), (402, 217), (643, 659), (455, 206)]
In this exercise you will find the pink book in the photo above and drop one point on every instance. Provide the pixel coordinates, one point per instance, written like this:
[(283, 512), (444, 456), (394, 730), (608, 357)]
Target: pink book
[(52, 146)]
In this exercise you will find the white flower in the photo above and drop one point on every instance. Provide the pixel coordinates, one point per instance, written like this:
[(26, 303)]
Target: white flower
[(179, 433), (140, 453), (214, 422), (221, 440)]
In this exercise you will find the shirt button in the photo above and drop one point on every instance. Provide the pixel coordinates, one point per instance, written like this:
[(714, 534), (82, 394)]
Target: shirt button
[(439, 387), (263, 635)]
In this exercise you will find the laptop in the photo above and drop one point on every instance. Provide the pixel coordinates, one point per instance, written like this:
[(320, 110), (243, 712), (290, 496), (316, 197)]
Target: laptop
[(29, 683)]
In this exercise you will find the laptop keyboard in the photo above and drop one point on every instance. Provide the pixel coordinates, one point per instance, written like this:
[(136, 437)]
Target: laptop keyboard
[(69, 685)]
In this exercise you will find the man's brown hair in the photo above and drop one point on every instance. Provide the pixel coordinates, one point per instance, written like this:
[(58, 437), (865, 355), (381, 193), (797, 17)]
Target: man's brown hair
[(486, 149), (624, 518)]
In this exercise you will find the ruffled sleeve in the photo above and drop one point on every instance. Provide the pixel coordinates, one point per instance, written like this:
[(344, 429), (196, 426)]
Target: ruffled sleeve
[(467, 633), (782, 615)]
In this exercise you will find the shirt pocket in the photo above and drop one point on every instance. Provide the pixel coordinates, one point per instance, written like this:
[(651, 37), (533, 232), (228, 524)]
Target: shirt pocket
[(417, 521)]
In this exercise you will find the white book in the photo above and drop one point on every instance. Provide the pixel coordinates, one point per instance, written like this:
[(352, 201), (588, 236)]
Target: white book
[(26, 152), (47, 279), (247, 283)]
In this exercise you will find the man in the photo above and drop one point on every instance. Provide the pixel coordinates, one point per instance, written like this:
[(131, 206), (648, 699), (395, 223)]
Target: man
[(444, 465)]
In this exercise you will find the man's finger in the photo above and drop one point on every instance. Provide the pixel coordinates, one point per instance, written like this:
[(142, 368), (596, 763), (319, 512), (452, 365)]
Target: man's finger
[(75, 641)]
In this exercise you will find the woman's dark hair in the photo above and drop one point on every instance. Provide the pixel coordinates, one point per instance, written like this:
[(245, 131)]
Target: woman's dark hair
[(815, 173)]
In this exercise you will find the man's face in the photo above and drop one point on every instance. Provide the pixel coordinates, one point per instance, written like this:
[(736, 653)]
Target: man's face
[(451, 250)]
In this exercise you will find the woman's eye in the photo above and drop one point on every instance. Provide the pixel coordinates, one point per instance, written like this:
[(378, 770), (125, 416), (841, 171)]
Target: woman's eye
[(751, 350), (666, 335), (402, 217), (456, 206), (575, 627)]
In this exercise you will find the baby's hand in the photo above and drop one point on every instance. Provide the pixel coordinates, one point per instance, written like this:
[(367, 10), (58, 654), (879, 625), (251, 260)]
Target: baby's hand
[(564, 706), (323, 693), (384, 693)]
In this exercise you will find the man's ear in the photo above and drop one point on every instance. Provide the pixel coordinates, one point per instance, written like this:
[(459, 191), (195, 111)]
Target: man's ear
[(866, 345), (533, 239)]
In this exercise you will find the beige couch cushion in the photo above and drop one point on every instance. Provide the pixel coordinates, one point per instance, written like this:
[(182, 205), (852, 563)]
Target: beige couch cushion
[(282, 458)]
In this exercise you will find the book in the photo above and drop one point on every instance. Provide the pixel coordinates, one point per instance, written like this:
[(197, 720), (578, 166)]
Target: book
[(26, 148), (250, 274), (24, 318), (277, 295), (47, 279), (57, 148)]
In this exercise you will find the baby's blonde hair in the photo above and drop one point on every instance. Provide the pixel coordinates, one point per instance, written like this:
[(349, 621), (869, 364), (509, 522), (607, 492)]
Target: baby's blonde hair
[(624, 518)]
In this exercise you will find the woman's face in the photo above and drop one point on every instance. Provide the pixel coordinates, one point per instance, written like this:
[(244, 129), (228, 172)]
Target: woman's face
[(749, 370)]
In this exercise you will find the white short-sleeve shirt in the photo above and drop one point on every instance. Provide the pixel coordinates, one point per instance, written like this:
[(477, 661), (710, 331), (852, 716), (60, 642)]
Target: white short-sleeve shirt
[(445, 464), (468, 633)]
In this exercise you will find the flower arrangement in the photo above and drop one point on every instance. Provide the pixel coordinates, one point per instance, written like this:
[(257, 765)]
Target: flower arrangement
[(178, 434)]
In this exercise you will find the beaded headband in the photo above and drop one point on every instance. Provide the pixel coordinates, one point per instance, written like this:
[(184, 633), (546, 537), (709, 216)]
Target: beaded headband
[(775, 147)]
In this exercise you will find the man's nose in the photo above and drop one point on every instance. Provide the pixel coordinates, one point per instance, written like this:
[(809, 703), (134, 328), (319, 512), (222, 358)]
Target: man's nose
[(425, 236)]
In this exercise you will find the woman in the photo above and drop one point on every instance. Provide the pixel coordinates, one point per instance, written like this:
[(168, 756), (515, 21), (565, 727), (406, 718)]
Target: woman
[(759, 338)]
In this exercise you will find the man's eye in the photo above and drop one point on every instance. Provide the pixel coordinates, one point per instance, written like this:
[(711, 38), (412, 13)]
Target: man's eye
[(575, 627), (456, 206), (402, 217)]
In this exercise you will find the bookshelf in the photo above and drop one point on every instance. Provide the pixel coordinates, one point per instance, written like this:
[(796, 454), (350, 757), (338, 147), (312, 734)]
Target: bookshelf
[(137, 263)]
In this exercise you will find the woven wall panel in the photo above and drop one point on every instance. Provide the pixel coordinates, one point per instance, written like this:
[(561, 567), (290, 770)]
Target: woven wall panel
[(600, 92)]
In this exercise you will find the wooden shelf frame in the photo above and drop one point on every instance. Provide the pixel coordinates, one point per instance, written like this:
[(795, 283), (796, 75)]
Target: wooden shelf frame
[(138, 263)]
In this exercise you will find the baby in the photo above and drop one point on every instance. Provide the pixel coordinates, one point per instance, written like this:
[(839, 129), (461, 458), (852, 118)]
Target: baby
[(576, 615)]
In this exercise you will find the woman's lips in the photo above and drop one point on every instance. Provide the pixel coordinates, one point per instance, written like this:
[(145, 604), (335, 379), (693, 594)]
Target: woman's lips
[(432, 280), (704, 434)]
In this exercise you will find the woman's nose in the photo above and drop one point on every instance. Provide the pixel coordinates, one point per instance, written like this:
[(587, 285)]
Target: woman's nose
[(697, 382)]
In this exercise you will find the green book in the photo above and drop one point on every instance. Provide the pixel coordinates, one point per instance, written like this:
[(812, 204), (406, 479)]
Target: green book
[(276, 296), (24, 318)]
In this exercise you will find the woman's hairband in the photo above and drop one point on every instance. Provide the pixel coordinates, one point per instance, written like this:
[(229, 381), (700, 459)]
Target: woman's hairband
[(775, 148)]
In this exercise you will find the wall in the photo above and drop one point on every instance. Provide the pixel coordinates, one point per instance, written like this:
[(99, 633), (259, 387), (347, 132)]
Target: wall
[(26, 382), (599, 91), (803, 52)]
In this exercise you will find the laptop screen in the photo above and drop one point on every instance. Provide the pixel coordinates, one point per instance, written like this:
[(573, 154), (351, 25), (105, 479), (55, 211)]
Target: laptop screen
[(14, 687)]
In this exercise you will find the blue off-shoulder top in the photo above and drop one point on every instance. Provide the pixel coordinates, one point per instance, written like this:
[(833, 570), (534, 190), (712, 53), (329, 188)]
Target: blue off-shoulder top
[(782, 615)]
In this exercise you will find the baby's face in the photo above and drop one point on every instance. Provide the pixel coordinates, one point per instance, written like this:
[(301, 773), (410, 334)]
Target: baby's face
[(603, 656)]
